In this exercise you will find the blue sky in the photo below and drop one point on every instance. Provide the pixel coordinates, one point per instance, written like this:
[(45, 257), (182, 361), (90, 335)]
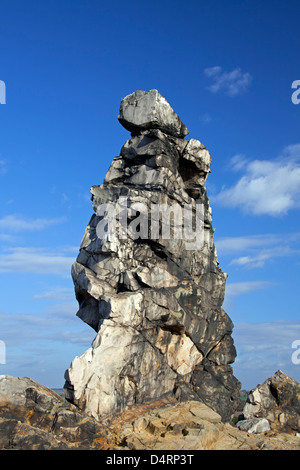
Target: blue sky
[(227, 69)]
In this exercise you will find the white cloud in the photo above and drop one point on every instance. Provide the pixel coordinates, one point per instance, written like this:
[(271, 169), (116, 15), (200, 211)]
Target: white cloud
[(234, 289), (263, 256), (84, 337), (56, 293), (256, 250), (15, 223), (35, 260), (262, 336), (3, 168), (206, 118), (8, 238), (65, 198), (263, 348), (238, 162), (64, 309), (232, 83), (58, 323), (229, 245), (268, 187)]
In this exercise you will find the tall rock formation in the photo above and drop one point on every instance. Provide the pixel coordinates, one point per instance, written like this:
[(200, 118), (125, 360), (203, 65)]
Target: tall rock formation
[(147, 277)]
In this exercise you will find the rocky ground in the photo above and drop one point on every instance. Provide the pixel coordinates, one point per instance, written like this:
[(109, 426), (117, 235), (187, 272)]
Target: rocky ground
[(192, 426), (36, 418)]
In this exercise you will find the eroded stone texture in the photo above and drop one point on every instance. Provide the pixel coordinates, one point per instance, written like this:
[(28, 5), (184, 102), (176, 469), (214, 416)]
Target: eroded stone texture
[(155, 301), (34, 417), (149, 110), (278, 400), (192, 426)]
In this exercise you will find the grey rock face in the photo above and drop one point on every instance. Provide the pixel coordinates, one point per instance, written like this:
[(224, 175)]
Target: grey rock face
[(34, 417), (255, 425), (151, 288), (278, 400), (149, 110)]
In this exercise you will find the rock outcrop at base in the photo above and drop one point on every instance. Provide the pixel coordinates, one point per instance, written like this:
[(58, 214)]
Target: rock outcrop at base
[(191, 426), (147, 277), (278, 400), (34, 417)]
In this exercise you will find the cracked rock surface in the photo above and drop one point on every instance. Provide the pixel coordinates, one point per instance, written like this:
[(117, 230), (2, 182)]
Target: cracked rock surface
[(190, 426), (277, 400), (34, 417), (153, 298)]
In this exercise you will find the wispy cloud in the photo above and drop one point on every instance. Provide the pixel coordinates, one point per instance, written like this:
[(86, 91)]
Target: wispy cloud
[(35, 260), (232, 83), (56, 293), (3, 167), (206, 118), (263, 256), (263, 348), (268, 187), (57, 323), (17, 223), (256, 250), (229, 245), (234, 289), (238, 162), (8, 238), (263, 335)]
